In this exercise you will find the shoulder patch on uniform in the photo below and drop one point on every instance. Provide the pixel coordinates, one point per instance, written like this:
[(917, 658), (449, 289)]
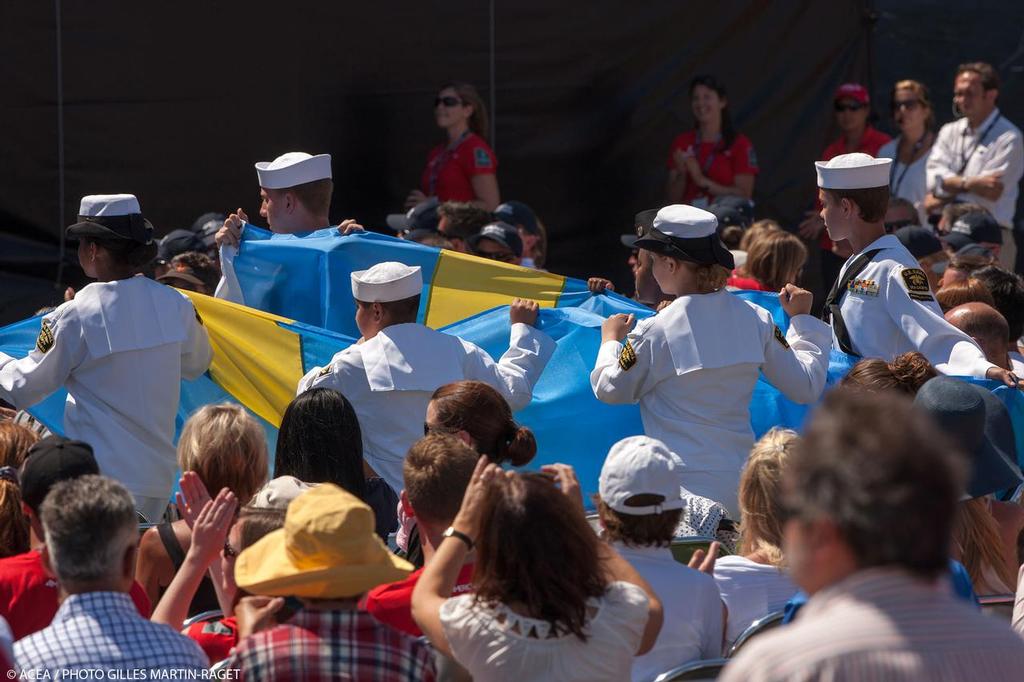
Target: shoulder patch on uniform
[(917, 284), (780, 337), (481, 158), (44, 341), (324, 371), (627, 358)]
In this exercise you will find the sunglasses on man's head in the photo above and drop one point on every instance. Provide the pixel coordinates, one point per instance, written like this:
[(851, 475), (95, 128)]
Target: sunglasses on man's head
[(853, 106), (448, 101)]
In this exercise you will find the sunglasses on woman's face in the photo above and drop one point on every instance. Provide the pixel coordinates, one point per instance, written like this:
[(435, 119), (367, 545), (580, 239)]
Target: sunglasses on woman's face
[(840, 107), (448, 101), (907, 104)]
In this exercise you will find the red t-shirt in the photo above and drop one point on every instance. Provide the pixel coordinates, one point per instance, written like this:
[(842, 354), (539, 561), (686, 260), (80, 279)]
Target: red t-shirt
[(747, 283), (720, 165), (870, 142), (391, 603), (215, 637), (452, 169), (28, 596)]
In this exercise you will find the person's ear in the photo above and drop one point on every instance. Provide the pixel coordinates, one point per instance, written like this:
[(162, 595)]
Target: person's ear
[(407, 509), (290, 203), (464, 436), (129, 559), (378, 312)]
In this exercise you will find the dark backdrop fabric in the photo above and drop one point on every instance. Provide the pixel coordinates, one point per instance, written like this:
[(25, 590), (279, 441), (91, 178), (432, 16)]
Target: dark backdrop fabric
[(175, 101)]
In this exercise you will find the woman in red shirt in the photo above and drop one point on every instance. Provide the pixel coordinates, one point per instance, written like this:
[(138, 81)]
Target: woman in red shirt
[(712, 159), (462, 169)]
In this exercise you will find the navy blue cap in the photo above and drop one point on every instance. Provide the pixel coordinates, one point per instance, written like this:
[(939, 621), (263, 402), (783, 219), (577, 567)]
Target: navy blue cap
[(517, 213), (732, 210), (920, 241), (502, 233)]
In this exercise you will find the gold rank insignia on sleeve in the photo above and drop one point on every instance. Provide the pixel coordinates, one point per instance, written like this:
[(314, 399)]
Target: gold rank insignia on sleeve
[(917, 284), (44, 341), (780, 337), (324, 371), (627, 358)]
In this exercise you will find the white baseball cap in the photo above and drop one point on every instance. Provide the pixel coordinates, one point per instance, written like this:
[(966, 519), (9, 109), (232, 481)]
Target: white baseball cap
[(279, 492), (640, 465), (853, 171), (385, 282), (293, 168)]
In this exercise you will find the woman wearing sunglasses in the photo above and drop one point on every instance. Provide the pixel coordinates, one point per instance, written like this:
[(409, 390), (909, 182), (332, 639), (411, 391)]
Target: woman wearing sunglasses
[(912, 112), (711, 160), (463, 168)]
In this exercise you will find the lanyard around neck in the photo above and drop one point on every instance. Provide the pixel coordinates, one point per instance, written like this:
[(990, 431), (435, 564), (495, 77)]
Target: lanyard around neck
[(892, 169), (965, 158), (441, 159)]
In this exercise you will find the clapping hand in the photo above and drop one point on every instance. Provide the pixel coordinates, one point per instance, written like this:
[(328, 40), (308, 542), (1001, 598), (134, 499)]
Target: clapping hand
[(211, 526), (192, 498)]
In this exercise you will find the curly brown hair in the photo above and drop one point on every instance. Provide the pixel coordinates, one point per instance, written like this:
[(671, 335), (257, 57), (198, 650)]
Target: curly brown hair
[(906, 374), (480, 411), (555, 567)]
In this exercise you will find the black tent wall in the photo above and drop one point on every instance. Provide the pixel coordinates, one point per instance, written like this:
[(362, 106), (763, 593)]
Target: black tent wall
[(175, 101)]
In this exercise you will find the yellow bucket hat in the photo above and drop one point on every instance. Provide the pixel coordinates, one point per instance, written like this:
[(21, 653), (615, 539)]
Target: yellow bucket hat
[(327, 550)]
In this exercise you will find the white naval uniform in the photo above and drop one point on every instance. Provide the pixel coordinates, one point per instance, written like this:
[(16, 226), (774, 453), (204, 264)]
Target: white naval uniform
[(886, 317), (693, 368), (228, 288), (1002, 151), (121, 349), (390, 378)]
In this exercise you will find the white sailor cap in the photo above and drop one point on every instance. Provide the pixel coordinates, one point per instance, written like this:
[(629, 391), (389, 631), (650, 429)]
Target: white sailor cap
[(117, 216), (853, 171), (640, 465), (293, 168), (385, 282), (685, 221)]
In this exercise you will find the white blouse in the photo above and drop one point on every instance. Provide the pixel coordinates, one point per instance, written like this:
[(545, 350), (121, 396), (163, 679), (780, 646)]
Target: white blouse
[(497, 644), (908, 182), (750, 591)]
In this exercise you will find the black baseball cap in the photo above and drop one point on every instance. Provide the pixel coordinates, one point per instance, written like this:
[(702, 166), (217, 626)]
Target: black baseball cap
[(50, 461), (518, 213), (973, 228), (502, 233), (642, 224), (733, 210), (422, 216), (179, 241), (920, 241)]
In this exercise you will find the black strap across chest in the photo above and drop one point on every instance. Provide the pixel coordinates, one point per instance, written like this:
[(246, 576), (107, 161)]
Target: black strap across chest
[(831, 313)]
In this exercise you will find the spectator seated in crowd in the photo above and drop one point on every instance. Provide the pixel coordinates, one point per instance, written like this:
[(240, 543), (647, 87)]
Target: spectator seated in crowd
[(91, 541), (436, 471), (987, 327), (773, 261), (531, 231), (1007, 291), (900, 214), (907, 373), (224, 447), (870, 497), (497, 241), (28, 594), (563, 605), (192, 271), (639, 506), (927, 249), (971, 290), (320, 441), (962, 267), (757, 582), (977, 228), (15, 441), (327, 556), (459, 221), (984, 540)]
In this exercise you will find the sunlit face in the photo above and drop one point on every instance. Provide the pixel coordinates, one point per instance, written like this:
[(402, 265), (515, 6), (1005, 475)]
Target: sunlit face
[(272, 208), (664, 269), (851, 115), (970, 97), (365, 318), (908, 111), (835, 215), (707, 105), (450, 109)]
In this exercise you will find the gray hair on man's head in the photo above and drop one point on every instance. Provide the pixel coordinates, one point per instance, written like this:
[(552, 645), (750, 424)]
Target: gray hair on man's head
[(88, 522)]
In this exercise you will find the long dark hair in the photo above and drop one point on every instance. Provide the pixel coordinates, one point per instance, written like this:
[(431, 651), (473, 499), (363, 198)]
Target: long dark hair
[(710, 82), (555, 567), (480, 411), (469, 95), (320, 441)]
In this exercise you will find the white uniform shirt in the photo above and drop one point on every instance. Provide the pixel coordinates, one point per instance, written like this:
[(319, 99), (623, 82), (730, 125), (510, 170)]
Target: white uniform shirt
[(121, 349), (889, 310), (693, 370), (908, 182), (390, 378), (750, 591), (693, 611), (1001, 150), (228, 288)]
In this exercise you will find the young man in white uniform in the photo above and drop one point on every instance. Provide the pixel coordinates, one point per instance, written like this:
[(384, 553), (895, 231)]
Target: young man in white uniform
[(390, 374), (881, 305), (121, 348)]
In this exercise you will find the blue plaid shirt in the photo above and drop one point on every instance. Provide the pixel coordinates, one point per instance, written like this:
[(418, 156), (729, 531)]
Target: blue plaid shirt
[(104, 630)]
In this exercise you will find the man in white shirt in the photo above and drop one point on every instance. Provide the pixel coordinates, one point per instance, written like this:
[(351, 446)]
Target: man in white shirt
[(881, 305), (295, 193), (391, 373), (639, 507), (980, 157)]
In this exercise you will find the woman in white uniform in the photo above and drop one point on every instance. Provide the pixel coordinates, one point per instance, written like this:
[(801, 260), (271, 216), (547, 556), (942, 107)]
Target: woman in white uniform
[(121, 348), (693, 366)]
